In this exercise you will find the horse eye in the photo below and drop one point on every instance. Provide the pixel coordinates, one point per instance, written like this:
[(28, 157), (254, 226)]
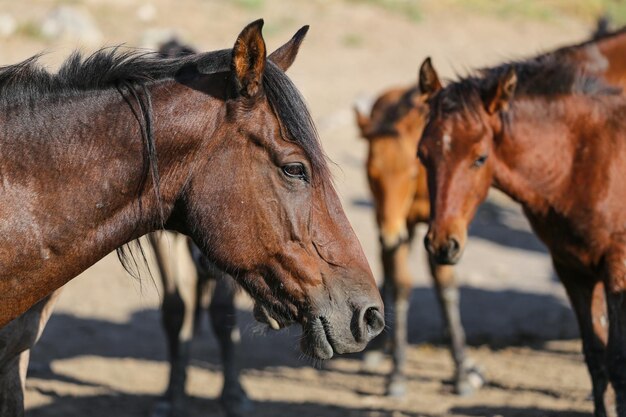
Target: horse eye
[(295, 170), (480, 161)]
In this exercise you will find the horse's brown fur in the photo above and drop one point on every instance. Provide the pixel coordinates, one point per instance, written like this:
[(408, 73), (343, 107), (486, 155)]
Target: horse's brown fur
[(91, 162), (399, 184), (558, 147)]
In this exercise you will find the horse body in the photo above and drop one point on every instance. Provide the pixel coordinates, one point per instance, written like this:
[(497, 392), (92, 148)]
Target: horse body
[(554, 140), (85, 217), (399, 186), (589, 160)]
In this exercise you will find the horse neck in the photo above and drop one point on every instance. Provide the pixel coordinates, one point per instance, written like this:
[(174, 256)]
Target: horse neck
[(535, 148), (613, 61), (75, 185)]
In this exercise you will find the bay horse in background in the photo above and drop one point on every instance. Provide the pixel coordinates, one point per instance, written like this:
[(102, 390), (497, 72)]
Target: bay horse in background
[(190, 282), (398, 183), (16, 340), (219, 146), (552, 136)]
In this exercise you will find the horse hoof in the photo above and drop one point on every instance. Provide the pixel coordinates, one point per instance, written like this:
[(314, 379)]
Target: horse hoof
[(396, 388), (464, 388), (372, 360), (164, 408), (470, 382), (237, 404)]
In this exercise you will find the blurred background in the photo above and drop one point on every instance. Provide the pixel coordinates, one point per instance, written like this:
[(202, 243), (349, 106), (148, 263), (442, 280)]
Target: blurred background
[(104, 353)]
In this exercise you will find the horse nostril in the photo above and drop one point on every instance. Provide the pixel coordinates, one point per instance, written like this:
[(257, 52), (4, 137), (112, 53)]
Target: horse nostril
[(374, 322), (453, 247)]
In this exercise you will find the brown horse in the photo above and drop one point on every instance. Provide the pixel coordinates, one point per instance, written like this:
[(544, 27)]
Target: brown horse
[(219, 146), (399, 186), (552, 137)]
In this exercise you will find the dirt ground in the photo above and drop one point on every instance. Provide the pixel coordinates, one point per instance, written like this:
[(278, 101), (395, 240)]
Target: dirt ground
[(103, 353)]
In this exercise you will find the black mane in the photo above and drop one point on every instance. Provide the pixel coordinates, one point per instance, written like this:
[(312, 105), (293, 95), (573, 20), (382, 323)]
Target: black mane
[(548, 75), (111, 68), (383, 121), (27, 81)]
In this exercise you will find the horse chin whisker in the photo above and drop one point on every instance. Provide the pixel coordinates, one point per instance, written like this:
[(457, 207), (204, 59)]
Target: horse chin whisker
[(273, 323)]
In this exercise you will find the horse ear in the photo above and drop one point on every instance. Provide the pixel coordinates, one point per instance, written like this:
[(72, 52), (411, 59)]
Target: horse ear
[(503, 92), (429, 82), (286, 54), (362, 121), (248, 60)]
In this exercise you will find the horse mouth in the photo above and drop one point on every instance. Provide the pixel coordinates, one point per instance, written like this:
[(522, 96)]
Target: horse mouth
[(317, 340), (274, 320), (443, 259)]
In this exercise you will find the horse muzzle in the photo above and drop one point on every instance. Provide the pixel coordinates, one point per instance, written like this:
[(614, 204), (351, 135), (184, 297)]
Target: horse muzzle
[(324, 336), (446, 252)]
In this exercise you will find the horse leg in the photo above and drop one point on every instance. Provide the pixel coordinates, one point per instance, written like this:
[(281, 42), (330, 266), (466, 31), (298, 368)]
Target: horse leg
[(224, 321), (16, 339), (587, 299), (468, 377), (179, 278), (615, 289), (375, 353), (11, 390), (400, 284)]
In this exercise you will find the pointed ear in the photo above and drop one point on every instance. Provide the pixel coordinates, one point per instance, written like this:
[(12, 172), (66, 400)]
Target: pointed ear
[(362, 121), (248, 60), (286, 54), (428, 79), (503, 93)]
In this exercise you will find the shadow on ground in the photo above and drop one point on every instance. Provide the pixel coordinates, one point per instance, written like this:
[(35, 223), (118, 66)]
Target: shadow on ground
[(515, 412), (505, 225), (67, 336), (497, 318), (124, 405)]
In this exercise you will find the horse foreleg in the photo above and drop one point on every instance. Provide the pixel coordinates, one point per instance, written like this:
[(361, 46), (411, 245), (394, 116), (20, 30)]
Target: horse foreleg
[(11, 390), (468, 377), (399, 281), (16, 340), (587, 299), (179, 277), (615, 289), (374, 355), (224, 321)]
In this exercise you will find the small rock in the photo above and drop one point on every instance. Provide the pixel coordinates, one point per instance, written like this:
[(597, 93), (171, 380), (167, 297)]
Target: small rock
[(153, 38), (65, 22), (146, 12), (8, 25)]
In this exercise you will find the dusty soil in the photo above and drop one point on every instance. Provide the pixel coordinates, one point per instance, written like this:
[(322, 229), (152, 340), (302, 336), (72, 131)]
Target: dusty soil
[(104, 354)]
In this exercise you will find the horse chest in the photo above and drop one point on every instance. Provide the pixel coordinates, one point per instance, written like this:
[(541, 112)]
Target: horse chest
[(567, 240)]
